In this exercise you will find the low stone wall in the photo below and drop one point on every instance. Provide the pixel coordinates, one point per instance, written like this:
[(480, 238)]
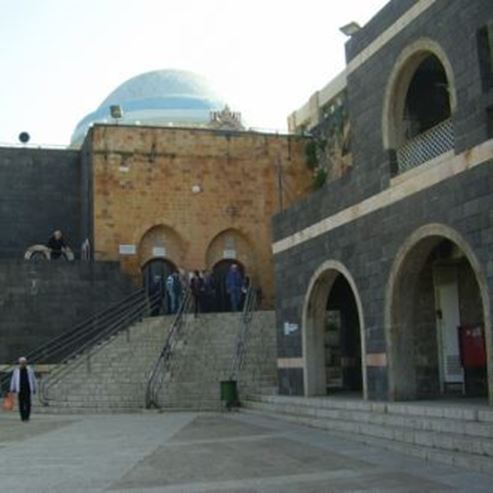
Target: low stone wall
[(41, 301)]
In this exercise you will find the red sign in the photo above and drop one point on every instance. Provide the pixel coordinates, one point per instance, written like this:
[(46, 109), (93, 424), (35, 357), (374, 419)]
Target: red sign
[(472, 346)]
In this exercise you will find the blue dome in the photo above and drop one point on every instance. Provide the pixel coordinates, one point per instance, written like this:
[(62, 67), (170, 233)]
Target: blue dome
[(163, 97)]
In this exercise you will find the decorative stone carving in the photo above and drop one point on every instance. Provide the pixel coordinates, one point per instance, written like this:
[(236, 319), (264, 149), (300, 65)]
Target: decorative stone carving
[(226, 120), (36, 253)]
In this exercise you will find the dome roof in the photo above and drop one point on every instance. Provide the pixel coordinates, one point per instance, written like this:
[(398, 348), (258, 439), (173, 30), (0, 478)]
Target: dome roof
[(162, 97)]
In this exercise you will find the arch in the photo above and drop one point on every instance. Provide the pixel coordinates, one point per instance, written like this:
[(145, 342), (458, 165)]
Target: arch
[(314, 308), (231, 244), (398, 84), (220, 270), (41, 252), (161, 241), (409, 261), (157, 267)]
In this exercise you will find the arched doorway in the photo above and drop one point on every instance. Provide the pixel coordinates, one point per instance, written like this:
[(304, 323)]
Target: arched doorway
[(161, 242), (437, 319), (229, 247), (220, 271), (154, 275), (157, 268), (333, 346)]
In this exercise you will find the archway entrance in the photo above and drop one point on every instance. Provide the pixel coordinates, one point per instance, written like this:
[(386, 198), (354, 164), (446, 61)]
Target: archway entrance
[(332, 328), (437, 324), (220, 270), (342, 339), (154, 275)]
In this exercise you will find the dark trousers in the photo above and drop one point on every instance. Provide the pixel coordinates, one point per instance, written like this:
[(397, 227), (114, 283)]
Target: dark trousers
[(196, 304), (235, 299), (24, 405)]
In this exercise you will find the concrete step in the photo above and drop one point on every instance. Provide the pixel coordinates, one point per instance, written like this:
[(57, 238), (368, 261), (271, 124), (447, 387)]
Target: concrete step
[(452, 434), (401, 433), (462, 411), (468, 461), (86, 410), (390, 415)]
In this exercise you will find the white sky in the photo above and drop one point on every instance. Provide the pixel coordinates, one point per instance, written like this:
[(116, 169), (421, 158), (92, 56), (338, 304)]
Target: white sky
[(61, 58)]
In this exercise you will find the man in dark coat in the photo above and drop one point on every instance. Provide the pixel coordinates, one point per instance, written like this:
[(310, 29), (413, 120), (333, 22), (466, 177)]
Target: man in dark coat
[(234, 285), (57, 245), (23, 383)]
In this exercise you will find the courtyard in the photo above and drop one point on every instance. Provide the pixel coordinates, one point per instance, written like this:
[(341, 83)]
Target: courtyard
[(205, 452)]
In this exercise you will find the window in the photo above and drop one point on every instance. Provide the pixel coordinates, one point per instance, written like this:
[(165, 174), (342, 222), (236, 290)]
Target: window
[(485, 55)]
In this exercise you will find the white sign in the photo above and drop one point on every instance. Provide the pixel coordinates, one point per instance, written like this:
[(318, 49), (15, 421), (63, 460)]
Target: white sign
[(289, 328), (159, 252), (127, 249), (229, 254)]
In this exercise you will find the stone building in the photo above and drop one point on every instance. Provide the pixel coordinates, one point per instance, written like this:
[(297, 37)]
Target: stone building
[(167, 198), (385, 275), (176, 182)]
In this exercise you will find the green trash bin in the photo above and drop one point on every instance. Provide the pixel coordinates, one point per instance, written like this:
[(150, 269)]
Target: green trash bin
[(229, 393)]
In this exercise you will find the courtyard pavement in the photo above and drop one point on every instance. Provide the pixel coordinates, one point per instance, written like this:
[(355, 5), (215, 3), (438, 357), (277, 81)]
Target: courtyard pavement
[(191, 452)]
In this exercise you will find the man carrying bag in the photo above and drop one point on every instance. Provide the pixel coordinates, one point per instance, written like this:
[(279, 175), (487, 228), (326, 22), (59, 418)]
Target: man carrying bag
[(23, 383)]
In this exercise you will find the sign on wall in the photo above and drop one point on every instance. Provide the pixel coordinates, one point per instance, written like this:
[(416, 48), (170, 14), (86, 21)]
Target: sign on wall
[(290, 328), (159, 252), (127, 249), (229, 254)]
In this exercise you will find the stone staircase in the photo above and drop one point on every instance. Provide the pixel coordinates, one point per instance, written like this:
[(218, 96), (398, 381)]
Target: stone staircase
[(455, 433), (204, 357), (110, 377)]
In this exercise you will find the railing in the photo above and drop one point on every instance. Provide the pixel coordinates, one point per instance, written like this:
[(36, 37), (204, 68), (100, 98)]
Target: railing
[(101, 333), (428, 145), (241, 339), (96, 329), (158, 373)]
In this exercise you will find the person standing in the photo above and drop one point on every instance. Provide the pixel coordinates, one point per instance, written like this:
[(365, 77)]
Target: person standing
[(178, 291), (234, 285), (170, 290), (209, 292), (57, 245), (156, 295), (23, 383), (197, 287)]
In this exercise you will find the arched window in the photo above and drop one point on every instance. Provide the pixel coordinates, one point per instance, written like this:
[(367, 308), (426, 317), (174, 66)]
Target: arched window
[(427, 101), (419, 103)]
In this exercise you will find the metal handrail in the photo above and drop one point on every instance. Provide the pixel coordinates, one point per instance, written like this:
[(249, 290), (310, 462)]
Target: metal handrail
[(157, 374), (42, 351), (241, 339), (123, 320), (95, 327), (92, 324)]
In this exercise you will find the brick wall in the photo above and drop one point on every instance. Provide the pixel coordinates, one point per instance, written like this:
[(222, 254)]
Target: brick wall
[(143, 178)]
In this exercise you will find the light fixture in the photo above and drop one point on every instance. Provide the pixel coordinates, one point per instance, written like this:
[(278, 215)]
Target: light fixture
[(24, 137), (116, 111), (350, 29)]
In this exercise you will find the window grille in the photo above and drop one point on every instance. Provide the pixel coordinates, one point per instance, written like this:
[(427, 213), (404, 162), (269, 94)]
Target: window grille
[(426, 146)]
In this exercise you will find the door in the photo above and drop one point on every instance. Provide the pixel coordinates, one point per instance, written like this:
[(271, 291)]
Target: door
[(448, 322)]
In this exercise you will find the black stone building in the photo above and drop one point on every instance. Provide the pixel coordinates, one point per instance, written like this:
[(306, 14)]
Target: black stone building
[(43, 190), (385, 274)]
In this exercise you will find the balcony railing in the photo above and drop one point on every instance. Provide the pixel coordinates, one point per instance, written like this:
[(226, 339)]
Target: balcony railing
[(428, 145)]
